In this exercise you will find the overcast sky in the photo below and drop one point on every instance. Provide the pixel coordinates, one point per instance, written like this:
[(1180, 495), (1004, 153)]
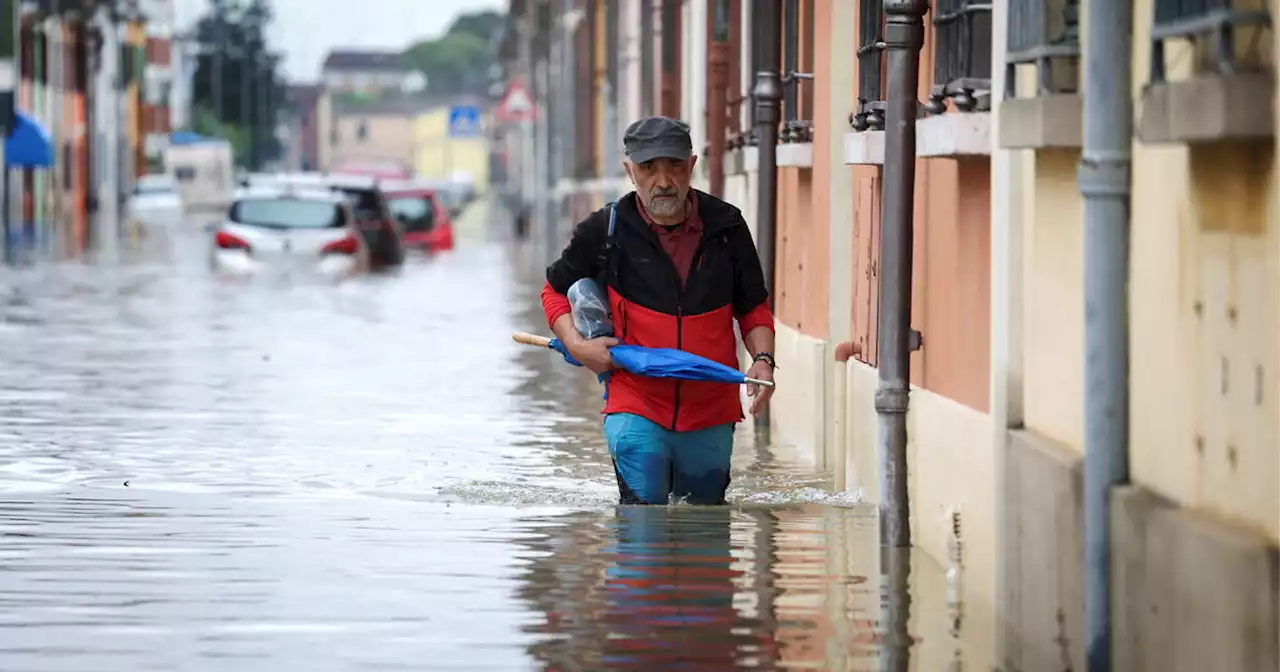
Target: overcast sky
[(305, 30)]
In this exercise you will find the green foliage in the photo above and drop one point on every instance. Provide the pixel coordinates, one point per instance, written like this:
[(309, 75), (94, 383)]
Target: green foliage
[(237, 79), (205, 122), (458, 62)]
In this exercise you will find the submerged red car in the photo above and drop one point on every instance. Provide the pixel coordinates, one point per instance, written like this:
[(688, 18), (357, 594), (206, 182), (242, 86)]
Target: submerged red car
[(426, 220)]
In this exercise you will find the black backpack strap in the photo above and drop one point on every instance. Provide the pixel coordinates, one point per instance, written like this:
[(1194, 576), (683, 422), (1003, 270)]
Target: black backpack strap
[(606, 254)]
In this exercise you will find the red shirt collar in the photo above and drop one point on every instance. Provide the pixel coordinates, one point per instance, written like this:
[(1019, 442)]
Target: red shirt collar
[(692, 223)]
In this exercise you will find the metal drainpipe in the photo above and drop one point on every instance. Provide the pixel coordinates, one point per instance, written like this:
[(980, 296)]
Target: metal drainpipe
[(1104, 181), (903, 38), (768, 93), (717, 105)]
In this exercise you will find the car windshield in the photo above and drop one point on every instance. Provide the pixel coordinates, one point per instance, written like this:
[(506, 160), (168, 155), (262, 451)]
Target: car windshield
[(364, 202), (417, 213), (288, 213)]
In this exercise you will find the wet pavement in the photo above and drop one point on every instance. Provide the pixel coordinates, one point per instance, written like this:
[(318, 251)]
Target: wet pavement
[(199, 473)]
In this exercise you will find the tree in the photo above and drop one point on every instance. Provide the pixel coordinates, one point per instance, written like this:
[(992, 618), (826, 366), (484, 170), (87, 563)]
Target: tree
[(458, 62), (236, 80)]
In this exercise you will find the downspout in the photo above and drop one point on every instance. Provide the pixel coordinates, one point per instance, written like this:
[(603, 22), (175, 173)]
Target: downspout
[(903, 38), (768, 93), (1104, 180), (717, 105)]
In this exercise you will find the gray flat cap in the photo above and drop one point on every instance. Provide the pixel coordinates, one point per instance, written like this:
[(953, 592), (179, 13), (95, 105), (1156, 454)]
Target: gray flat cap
[(657, 138)]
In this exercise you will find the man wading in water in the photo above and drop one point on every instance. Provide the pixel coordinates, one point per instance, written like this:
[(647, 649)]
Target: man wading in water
[(679, 266)]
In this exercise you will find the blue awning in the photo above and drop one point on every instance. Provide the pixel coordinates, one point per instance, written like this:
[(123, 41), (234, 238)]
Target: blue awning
[(29, 145)]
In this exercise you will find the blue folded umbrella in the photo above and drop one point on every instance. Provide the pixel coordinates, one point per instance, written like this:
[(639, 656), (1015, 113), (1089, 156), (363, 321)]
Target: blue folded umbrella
[(654, 362)]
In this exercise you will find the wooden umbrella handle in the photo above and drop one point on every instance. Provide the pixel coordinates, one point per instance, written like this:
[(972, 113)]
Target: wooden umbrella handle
[(531, 339)]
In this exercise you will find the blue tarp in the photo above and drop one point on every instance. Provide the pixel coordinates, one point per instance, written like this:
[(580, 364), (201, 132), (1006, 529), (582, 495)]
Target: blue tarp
[(29, 145), (185, 137)]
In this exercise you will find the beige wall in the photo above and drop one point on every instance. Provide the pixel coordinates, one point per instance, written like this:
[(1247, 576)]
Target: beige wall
[(390, 136), (1205, 423), (1053, 291)]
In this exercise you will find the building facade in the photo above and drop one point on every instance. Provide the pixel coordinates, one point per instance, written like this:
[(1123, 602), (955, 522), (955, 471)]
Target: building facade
[(162, 69), (999, 404), (381, 129), (81, 77), (365, 72), (441, 156)]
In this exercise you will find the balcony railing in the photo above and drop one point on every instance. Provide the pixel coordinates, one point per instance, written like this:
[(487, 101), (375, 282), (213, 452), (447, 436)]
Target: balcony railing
[(795, 129), (1046, 33), (870, 113), (962, 56), (1217, 20)]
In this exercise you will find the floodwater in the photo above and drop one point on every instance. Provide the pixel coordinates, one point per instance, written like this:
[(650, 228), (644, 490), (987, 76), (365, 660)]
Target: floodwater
[(199, 473)]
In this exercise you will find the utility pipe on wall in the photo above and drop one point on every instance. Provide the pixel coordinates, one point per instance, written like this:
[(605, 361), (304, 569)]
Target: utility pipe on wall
[(903, 38), (1104, 181), (768, 93)]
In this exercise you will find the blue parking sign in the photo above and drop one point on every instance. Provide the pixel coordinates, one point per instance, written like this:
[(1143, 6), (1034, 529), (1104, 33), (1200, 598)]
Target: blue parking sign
[(464, 121)]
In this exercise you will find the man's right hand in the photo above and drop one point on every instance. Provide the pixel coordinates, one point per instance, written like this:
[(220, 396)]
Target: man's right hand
[(593, 353)]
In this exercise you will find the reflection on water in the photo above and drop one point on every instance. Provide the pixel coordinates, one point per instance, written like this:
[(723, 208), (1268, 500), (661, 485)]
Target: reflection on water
[(207, 475), (701, 588)]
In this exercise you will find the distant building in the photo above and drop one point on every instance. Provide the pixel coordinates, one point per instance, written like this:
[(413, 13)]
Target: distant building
[(368, 72), (441, 154), (381, 129)]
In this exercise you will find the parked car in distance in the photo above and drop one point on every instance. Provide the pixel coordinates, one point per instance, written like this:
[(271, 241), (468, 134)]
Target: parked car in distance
[(418, 207), (155, 201), (289, 228)]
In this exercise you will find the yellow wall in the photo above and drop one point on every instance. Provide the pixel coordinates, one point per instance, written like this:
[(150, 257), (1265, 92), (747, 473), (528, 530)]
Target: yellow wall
[(1053, 264), (1205, 422), (438, 156)]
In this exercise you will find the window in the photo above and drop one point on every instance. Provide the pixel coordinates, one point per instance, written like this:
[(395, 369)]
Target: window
[(797, 71), (870, 113), (1045, 33), (153, 185), (184, 173), (417, 213), (365, 202), (1222, 24), (288, 213), (962, 56)]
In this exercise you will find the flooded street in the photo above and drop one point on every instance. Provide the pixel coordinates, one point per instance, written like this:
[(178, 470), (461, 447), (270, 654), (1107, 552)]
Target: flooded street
[(200, 473)]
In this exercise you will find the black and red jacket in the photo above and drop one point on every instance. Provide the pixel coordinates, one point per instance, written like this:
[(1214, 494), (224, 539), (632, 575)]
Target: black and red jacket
[(652, 309)]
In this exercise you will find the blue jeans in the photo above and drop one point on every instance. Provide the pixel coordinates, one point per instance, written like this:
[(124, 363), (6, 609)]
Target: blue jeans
[(653, 462)]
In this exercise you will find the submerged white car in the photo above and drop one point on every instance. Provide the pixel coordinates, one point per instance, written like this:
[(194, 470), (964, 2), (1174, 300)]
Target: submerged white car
[(289, 229)]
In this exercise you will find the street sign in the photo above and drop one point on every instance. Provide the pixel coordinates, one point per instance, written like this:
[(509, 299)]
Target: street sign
[(464, 121), (516, 105)]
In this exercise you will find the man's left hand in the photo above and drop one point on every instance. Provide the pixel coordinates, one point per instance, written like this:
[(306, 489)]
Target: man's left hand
[(759, 394)]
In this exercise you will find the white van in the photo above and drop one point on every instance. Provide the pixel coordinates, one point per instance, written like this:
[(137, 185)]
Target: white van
[(204, 173)]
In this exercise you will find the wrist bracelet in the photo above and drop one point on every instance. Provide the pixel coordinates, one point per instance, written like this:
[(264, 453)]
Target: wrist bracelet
[(767, 358)]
